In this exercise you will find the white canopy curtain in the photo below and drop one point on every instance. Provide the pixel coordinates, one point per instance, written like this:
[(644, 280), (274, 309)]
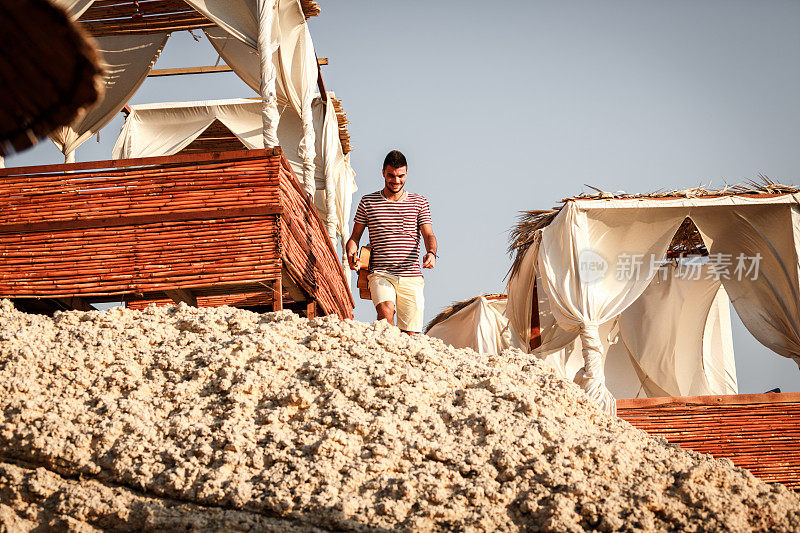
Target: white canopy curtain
[(580, 301), (611, 233), (127, 60), (273, 29), (482, 326), (677, 335), (167, 128), (769, 304), (75, 8)]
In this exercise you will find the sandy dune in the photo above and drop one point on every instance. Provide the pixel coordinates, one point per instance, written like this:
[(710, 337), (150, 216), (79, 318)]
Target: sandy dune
[(221, 419)]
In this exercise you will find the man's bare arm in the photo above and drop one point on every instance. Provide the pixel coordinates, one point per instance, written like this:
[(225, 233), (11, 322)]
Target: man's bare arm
[(431, 246), (351, 247)]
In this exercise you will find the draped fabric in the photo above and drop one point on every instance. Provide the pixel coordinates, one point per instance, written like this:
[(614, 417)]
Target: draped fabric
[(578, 260), (167, 128), (678, 335), (767, 299), (340, 179), (127, 60), (75, 8), (598, 256), (239, 18), (277, 31), (242, 59), (481, 326)]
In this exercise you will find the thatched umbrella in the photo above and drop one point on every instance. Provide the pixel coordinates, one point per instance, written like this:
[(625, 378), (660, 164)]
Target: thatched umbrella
[(49, 72)]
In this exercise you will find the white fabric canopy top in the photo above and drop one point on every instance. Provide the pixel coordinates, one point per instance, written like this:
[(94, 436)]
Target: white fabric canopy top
[(167, 128), (270, 38), (127, 59), (273, 37), (597, 257)]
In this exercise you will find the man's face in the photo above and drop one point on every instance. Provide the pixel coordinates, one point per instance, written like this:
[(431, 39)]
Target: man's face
[(395, 178)]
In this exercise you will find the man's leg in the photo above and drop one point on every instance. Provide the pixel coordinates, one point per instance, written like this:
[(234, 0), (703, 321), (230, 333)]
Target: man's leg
[(384, 295), (410, 304), (386, 311)]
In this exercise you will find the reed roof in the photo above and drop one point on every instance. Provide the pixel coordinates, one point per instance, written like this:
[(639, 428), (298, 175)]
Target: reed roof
[(119, 17), (687, 240), (50, 72)]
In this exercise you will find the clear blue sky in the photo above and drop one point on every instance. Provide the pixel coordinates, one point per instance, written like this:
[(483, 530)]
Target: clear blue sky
[(502, 107)]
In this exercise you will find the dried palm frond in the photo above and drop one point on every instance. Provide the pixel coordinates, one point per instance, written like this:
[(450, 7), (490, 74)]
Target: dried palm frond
[(687, 240), (523, 233)]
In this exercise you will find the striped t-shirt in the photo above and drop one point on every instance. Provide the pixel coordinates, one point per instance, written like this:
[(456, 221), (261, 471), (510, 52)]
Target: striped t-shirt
[(394, 231)]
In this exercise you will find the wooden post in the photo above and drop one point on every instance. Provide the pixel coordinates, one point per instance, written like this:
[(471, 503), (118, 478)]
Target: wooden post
[(536, 331), (277, 295), (311, 309)]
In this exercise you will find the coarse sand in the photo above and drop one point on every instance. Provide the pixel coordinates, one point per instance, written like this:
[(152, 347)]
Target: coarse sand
[(176, 418)]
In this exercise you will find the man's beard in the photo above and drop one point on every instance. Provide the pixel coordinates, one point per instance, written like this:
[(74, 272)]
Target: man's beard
[(400, 188)]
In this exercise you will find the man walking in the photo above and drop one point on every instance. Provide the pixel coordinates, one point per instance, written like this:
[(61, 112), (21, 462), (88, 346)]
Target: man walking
[(396, 219)]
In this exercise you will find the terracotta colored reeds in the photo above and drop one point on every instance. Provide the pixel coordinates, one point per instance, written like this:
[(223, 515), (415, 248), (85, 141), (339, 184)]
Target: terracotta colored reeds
[(758, 432), (223, 222)]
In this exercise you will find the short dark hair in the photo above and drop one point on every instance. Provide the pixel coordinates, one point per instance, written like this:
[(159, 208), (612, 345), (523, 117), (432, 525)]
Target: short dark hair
[(394, 159)]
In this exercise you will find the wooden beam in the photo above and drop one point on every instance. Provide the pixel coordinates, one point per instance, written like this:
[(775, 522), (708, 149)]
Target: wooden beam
[(277, 295), (182, 295), (188, 70), (183, 71)]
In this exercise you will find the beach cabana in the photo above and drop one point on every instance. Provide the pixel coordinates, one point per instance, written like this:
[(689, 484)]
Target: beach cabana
[(596, 255), (247, 218)]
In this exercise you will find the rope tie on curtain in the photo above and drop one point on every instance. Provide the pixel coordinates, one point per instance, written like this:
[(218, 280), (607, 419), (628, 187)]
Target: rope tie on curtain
[(591, 377)]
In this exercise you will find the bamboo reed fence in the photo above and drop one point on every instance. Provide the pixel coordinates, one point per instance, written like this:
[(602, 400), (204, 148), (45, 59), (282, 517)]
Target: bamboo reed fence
[(225, 227), (759, 432)]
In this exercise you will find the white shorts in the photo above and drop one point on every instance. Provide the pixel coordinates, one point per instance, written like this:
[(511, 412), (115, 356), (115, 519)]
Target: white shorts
[(406, 292)]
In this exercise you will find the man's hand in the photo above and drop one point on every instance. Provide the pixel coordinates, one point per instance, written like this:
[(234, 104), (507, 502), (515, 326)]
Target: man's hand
[(352, 258), (351, 246), (429, 260)]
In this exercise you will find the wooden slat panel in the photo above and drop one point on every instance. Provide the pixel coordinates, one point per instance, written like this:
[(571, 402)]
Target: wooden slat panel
[(759, 432), (127, 9), (146, 260), (308, 253), (148, 24), (213, 222), (155, 163)]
